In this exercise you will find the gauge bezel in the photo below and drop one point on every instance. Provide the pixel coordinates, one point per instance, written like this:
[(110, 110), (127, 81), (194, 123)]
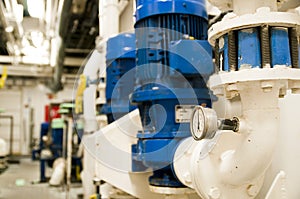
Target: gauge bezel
[(203, 133)]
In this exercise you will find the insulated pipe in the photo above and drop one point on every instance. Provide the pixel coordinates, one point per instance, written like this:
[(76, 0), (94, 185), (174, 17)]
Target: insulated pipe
[(19, 31), (109, 13), (58, 54), (9, 35), (58, 174), (90, 70)]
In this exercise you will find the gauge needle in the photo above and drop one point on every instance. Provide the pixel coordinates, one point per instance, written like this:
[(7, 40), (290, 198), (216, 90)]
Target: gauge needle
[(198, 120)]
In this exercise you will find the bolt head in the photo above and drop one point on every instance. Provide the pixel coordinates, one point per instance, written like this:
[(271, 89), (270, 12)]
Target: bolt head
[(214, 193), (187, 177), (252, 190)]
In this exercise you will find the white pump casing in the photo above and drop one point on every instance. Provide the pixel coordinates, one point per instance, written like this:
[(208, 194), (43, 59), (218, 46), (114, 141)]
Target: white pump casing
[(233, 165)]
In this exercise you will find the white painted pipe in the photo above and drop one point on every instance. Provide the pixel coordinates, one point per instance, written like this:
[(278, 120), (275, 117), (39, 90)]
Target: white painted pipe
[(109, 11), (3, 148), (109, 18), (122, 5), (89, 96), (88, 172), (58, 172)]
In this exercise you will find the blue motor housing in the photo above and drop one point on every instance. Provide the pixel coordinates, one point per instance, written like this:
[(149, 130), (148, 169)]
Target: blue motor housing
[(173, 63), (165, 8), (120, 59)]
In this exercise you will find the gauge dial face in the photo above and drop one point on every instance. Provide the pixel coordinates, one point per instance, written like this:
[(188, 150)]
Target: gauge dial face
[(197, 124)]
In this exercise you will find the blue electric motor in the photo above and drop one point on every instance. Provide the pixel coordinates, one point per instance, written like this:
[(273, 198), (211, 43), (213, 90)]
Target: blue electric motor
[(120, 59), (173, 63)]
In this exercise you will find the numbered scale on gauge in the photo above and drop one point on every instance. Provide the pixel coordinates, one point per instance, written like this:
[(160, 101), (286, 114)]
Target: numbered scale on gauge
[(203, 123)]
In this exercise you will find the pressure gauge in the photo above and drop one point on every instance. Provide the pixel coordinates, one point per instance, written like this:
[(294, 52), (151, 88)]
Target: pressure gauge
[(204, 123)]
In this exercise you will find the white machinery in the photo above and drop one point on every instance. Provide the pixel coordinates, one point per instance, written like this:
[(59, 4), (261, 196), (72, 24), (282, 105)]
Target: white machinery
[(3, 155), (246, 146), (233, 164)]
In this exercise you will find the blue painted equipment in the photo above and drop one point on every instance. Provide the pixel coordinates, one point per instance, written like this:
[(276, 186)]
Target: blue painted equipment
[(44, 131), (55, 147), (57, 132), (280, 47), (249, 45), (173, 62), (120, 59), (55, 143), (257, 47)]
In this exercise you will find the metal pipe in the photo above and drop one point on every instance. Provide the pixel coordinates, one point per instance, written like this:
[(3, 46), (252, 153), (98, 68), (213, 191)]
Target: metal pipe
[(48, 16), (109, 15), (15, 35), (90, 70), (69, 152), (64, 149), (54, 14), (122, 5), (108, 25), (8, 5), (229, 124), (9, 35), (19, 31), (62, 13)]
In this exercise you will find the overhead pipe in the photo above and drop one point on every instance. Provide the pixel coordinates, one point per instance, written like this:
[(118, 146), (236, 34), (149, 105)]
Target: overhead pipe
[(16, 31), (58, 55), (109, 13), (12, 44), (19, 31), (50, 16)]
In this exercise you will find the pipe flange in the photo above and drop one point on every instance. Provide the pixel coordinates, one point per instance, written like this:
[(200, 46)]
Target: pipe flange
[(170, 190), (282, 5), (263, 16), (228, 79)]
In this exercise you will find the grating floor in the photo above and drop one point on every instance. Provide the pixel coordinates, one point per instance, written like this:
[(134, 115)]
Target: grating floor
[(20, 181)]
